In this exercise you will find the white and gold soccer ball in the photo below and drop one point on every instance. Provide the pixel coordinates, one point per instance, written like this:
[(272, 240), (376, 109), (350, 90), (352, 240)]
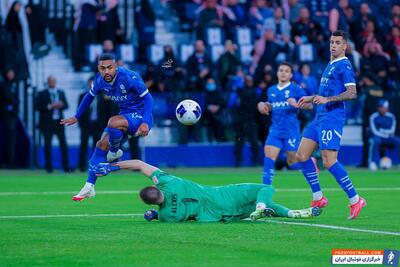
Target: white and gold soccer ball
[(188, 112), (385, 163)]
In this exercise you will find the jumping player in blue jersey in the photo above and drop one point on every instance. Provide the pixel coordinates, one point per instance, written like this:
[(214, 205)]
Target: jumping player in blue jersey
[(284, 132), (336, 86), (127, 89)]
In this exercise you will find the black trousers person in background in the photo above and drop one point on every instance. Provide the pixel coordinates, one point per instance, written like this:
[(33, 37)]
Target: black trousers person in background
[(55, 128)]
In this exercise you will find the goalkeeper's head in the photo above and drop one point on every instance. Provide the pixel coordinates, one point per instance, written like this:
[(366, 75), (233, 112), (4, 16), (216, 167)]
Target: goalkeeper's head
[(151, 195)]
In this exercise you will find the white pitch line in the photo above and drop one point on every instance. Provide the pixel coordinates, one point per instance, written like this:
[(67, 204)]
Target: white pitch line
[(124, 192), (68, 216), (334, 227)]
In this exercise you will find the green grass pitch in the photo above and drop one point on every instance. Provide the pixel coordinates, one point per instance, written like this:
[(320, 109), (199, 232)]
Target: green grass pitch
[(109, 230)]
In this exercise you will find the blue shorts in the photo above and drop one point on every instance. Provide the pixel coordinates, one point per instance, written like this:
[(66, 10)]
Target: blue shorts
[(326, 133), (134, 121), (286, 144)]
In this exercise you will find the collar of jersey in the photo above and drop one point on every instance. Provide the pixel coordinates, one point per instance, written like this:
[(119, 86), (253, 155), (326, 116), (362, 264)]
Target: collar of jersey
[(281, 88), (336, 60)]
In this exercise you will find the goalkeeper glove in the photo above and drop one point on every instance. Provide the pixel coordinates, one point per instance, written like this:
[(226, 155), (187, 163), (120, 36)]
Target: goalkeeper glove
[(103, 169), (151, 215)]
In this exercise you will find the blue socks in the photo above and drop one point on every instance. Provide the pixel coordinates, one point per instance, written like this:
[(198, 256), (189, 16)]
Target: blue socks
[(268, 173), (311, 174), (98, 156), (295, 166), (343, 180), (115, 137)]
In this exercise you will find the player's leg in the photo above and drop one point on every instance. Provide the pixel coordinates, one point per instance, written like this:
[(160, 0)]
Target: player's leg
[(116, 127), (266, 207), (308, 144), (98, 156), (271, 152), (330, 162), (291, 145)]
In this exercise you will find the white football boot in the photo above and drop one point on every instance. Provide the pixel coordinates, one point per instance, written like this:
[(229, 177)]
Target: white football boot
[(87, 191)]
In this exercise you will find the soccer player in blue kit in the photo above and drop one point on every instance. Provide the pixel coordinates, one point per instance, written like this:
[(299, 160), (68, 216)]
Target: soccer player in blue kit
[(336, 86), (285, 129), (127, 89)]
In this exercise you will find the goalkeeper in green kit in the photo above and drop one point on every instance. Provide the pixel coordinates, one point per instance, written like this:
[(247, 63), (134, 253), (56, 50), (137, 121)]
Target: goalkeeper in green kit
[(181, 200)]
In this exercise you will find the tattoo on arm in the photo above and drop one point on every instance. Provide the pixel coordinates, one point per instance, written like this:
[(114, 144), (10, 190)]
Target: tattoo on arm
[(349, 94)]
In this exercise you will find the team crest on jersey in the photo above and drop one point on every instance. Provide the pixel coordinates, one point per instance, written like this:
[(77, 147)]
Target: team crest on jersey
[(330, 71), (122, 87), (287, 93)]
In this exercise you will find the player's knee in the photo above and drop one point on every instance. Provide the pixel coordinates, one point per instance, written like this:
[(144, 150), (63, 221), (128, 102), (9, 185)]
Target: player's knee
[(115, 122), (102, 143), (300, 157), (327, 163)]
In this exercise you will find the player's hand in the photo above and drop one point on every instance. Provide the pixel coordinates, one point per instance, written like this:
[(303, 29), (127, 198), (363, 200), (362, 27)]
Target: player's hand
[(304, 101), (69, 121), (151, 215), (292, 102), (143, 130), (320, 100), (103, 169), (263, 108)]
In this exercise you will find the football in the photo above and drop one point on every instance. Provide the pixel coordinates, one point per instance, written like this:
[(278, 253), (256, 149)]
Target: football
[(385, 163), (188, 112)]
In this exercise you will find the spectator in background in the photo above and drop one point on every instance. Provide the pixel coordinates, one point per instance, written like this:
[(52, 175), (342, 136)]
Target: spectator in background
[(15, 57), (168, 65), (228, 63), (238, 12), (394, 67), (391, 39), (85, 28), (51, 103), (383, 126), (395, 18), (260, 10), (213, 113), (212, 15), (243, 102), (305, 30), (307, 81), (373, 92), (294, 11), (279, 26), (266, 50), (9, 116), (145, 21), (263, 122), (361, 21), (199, 65), (108, 23), (369, 35), (354, 56), (37, 20), (339, 16), (375, 60)]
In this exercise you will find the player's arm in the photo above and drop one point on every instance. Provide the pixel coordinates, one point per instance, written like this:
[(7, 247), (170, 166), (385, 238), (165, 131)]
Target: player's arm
[(138, 84), (305, 101), (104, 169), (349, 94), (264, 107)]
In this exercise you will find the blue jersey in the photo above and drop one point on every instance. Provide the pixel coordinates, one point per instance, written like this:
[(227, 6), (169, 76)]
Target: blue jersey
[(284, 117), (338, 74), (126, 90)]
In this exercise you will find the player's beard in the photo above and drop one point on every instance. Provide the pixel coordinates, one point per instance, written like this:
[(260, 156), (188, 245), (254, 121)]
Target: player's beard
[(108, 77)]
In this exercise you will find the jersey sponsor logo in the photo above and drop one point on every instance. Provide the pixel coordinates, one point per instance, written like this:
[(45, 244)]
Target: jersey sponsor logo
[(119, 98), (280, 104), (174, 203), (324, 81)]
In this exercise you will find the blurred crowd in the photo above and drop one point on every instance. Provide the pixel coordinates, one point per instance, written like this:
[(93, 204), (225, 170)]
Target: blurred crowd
[(227, 85)]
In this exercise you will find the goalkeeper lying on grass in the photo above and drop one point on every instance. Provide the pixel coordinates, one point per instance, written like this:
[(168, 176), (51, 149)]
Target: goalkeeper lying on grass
[(182, 200)]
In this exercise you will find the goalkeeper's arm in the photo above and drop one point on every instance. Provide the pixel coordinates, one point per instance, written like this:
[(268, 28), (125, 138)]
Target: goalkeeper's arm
[(105, 168)]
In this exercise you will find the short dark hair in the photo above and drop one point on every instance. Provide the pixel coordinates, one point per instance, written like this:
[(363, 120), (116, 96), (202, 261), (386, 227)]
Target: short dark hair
[(150, 195), (285, 63), (106, 56), (340, 33)]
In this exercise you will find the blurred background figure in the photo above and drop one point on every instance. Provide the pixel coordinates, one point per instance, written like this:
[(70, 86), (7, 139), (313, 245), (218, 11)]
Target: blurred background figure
[(51, 103), (383, 126)]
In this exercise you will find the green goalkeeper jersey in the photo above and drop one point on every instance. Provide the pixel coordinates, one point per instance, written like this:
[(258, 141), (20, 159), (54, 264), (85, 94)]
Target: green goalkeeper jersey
[(185, 200)]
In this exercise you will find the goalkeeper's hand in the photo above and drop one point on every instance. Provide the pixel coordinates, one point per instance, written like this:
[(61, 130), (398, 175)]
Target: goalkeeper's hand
[(151, 215), (103, 169)]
